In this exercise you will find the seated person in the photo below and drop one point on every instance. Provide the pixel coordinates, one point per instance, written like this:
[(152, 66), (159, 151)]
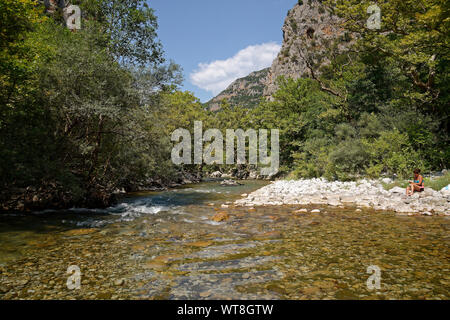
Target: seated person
[(417, 185)]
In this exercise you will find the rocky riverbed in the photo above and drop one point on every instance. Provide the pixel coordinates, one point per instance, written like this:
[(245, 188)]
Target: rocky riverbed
[(193, 243), (363, 193)]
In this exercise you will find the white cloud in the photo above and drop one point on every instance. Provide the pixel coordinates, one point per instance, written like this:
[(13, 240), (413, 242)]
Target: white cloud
[(218, 75)]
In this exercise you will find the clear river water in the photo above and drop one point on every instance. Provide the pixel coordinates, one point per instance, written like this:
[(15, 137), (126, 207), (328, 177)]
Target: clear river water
[(165, 245)]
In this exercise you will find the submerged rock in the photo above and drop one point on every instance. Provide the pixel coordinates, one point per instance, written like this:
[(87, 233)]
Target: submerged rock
[(230, 183), (220, 216), (119, 282), (80, 232)]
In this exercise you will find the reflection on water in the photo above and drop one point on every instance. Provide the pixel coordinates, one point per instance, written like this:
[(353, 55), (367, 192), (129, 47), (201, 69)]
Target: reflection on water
[(164, 245)]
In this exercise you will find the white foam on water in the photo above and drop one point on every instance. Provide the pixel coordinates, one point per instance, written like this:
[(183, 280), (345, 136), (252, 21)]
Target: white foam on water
[(149, 210), (137, 209), (177, 210), (213, 223)]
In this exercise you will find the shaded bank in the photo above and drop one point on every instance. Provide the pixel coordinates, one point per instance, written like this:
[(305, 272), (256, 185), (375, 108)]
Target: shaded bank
[(55, 196)]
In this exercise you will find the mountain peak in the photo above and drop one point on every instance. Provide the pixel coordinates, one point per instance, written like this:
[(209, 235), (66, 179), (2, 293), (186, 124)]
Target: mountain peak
[(246, 91)]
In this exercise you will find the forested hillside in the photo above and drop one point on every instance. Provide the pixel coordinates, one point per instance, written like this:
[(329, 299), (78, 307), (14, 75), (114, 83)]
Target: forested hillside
[(378, 105), (246, 91)]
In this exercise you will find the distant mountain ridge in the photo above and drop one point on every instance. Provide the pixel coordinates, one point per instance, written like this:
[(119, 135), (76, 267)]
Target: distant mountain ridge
[(246, 91)]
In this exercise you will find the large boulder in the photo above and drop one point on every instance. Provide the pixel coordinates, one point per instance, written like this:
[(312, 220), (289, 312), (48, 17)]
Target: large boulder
[(216, 174), (253, 174), (397, 190), (428, 192)]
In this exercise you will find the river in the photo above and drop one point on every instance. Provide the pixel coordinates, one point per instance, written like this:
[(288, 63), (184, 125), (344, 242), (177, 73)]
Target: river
[(164, 245)]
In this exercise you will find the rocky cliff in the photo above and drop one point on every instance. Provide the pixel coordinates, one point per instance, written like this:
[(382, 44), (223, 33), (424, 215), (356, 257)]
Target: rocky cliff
[(310, 33), (245, 91)]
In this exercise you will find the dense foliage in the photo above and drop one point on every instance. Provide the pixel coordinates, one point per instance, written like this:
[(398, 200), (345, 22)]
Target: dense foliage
[(380, 107), (78, 108), (91, 111)]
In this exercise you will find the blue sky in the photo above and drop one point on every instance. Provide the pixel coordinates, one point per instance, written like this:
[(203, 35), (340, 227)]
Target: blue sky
[(218, 41)]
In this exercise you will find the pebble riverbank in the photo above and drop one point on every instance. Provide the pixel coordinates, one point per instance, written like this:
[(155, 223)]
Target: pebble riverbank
[(363, 193)]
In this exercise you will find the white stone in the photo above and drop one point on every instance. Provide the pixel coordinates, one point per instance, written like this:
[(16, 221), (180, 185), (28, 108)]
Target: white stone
[(363, 193), (216, 174), (397, 190), (334, 203)]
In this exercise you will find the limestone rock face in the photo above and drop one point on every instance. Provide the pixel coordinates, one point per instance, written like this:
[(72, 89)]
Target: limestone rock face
[(309, 31)]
